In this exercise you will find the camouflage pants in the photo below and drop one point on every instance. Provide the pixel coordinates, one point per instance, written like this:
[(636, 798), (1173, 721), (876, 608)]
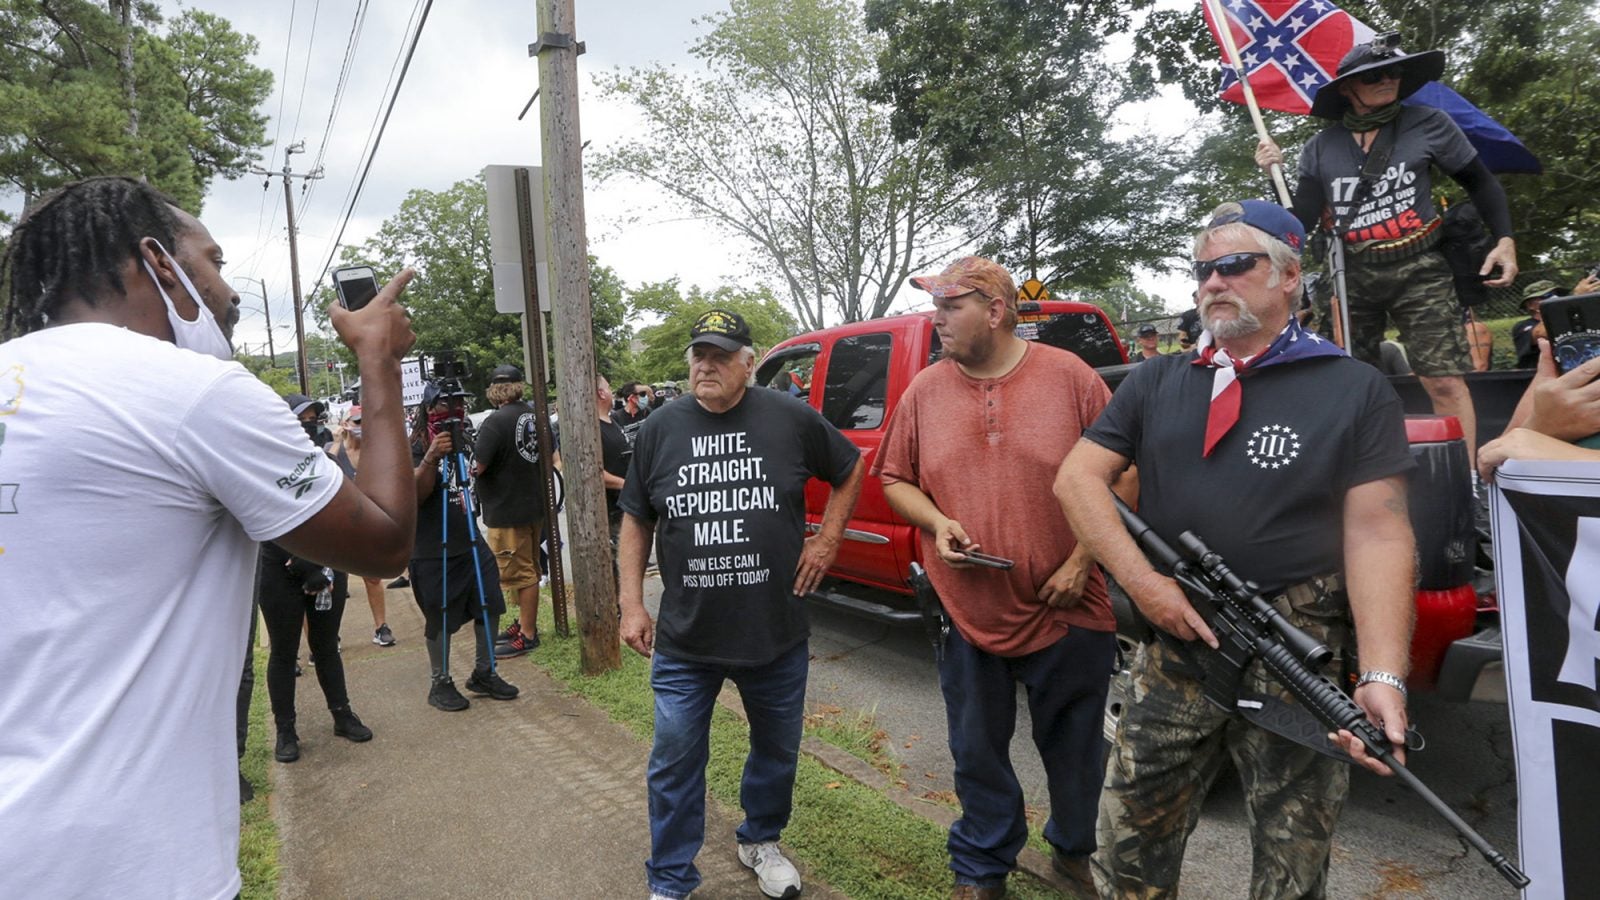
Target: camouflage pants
[(1170, 745), (1418, 293)]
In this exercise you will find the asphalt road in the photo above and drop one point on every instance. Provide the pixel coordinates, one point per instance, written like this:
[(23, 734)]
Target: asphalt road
[(1389, 842)]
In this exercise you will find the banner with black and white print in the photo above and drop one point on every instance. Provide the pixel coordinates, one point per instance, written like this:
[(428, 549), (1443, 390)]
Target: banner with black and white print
[(1546, 520)]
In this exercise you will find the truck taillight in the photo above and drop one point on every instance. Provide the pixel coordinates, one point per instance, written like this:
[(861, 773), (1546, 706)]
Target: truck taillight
[(1450, 614)]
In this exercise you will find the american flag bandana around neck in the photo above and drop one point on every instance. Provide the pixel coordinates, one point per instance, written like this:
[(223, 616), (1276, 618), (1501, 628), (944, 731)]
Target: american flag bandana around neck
[(1293, 344)]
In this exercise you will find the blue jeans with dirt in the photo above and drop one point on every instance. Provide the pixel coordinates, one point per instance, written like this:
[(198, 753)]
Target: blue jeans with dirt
[(774, 697), (1066, 686)]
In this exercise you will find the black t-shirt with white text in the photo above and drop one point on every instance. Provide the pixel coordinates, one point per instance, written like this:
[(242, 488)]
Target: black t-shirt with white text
[(1270, 497), (511, 486), (726, 494)]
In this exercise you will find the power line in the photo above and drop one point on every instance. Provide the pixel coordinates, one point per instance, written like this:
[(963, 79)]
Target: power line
[(277, 127), (388, 85), (361, 182), (305, 71), (352, 42)]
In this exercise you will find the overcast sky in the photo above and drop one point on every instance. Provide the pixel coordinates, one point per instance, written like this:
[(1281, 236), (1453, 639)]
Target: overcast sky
[(457, 112)]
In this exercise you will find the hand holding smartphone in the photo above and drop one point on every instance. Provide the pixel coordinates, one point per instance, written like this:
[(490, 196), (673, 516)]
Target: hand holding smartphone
[(984, 559), (355, 285), (1573, 324)]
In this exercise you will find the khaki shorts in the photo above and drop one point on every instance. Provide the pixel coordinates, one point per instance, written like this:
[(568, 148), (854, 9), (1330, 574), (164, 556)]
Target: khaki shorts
[(516, 552)]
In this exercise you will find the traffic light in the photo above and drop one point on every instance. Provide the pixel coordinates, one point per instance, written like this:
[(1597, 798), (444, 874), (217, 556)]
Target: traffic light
[(330, 365)]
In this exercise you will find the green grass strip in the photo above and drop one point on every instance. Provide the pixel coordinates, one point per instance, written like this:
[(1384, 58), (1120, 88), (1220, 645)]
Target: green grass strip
[(258, 833), (850, 836)]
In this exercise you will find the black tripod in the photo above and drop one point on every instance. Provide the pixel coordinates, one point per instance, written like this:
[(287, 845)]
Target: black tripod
[(453, 478)]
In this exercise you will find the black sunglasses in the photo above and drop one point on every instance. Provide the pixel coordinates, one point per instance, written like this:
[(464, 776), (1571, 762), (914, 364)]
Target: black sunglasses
[(1226, 266), (642, 394), (1373, 76)]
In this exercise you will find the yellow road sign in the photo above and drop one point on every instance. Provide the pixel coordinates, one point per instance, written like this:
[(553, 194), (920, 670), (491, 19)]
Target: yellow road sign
[(1033, 289)]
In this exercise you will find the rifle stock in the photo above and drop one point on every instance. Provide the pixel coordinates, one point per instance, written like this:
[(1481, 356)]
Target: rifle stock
[(1247, 626)]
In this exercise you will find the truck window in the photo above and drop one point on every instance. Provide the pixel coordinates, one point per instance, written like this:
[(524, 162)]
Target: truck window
[(1082, 333), (857, 386), (790, 370)]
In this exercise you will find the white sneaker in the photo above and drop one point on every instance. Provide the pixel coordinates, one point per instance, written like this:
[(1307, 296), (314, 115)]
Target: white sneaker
[(776, 876)]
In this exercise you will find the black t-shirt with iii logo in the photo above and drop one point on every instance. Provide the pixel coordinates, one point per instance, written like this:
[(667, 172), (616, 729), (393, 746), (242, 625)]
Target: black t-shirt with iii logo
[(1270, 497), (511, 487)]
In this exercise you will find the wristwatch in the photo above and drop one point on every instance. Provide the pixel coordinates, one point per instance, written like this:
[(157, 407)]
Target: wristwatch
[(1392, 680)]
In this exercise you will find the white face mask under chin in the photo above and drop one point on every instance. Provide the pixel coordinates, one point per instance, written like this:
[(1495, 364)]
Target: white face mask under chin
[(203, 335)]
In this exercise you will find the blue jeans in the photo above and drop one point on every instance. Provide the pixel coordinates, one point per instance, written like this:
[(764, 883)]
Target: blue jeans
[(1066, 684), (774, 701)]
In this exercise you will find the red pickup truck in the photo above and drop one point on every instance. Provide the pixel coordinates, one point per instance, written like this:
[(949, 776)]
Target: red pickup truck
[(855, 373)]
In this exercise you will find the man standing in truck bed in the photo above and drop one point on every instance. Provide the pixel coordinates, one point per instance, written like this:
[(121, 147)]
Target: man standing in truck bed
[(973, 444)]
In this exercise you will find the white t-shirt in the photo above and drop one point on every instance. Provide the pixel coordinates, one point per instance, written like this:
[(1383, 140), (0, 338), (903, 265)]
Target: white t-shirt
[(135, 482)]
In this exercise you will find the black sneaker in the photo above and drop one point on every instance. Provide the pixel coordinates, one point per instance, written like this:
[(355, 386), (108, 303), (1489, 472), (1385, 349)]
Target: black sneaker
[(401, 582), (487, 682), (346, 725), (288, 749), (383, 637), (443, 695)]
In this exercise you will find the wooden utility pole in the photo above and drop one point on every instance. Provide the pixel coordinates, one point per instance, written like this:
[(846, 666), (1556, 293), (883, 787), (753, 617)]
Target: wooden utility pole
[(294, 258), (557, 50)]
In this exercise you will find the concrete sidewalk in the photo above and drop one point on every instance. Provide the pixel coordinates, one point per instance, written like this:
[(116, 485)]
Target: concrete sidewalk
[(541, 796)]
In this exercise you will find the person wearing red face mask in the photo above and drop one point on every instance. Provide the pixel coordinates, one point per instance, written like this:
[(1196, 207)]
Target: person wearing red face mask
[(450, 556)]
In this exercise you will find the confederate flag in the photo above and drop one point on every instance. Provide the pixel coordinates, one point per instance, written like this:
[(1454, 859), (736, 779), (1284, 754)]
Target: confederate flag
[(1287, 48)]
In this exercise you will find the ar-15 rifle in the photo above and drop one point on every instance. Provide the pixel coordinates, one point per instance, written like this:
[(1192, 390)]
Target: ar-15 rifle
[(1247, 626)]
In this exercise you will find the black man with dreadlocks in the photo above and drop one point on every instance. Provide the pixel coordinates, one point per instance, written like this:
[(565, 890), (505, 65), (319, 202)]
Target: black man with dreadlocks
[(141, 467)]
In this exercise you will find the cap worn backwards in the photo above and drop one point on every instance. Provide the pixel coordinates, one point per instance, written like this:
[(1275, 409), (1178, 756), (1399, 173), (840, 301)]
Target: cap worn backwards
[(506, 374), (1268, 217)]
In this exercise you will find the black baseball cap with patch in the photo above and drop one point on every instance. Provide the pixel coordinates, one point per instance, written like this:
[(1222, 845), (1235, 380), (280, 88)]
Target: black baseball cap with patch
[(720, 328)]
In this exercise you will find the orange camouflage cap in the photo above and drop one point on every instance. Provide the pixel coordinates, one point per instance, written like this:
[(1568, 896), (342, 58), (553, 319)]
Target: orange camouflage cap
[(968, 274)]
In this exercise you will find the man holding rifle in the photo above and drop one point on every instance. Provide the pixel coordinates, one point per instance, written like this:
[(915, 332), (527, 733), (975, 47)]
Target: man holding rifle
[(1300, 456)]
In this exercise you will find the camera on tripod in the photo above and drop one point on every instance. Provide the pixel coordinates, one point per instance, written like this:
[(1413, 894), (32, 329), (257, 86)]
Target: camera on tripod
[(446, 370)]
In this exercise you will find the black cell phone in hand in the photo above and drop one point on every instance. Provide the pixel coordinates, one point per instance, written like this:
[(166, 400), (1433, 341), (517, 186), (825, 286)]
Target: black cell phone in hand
[(984, 559), (1573, 324), (355, 285)]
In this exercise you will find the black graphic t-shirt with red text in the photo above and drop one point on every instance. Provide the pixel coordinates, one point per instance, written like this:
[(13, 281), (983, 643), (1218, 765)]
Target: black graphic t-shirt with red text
[(1400, 201)]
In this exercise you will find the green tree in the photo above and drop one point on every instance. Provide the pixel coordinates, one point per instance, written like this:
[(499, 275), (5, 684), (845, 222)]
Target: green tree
[(1125, 303), (89, 90), (444, 235), (1020, 97), (662, 358), (1527, 63), (281, 380), (777, 147)]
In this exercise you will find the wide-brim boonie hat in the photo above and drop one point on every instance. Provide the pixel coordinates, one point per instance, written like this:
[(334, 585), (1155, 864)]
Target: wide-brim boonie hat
[(1416, 70)]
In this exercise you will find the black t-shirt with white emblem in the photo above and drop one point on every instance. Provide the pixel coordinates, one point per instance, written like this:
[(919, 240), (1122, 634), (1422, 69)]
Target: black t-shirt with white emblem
[(511, 487), (726, 492), (1270, 497)]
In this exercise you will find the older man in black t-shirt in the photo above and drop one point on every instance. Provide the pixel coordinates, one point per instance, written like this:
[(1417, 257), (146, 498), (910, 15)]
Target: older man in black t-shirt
[(719, 479), (1289, 459)]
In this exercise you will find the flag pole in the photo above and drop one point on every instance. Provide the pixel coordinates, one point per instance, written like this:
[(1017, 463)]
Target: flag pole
[(1341, 322), (1219, 18)]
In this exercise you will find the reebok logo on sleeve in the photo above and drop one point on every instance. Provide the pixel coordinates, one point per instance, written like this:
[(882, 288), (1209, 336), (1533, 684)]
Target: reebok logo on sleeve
[(303, 477)]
